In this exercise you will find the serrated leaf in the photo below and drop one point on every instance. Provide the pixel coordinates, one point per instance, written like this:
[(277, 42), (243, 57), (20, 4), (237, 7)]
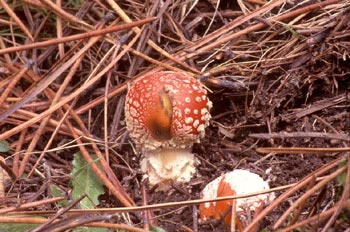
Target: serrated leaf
[(85, 182), (4, 146)]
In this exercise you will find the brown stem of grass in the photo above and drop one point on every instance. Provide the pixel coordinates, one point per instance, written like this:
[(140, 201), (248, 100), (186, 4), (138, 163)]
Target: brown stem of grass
[(26, 220), (307, 195), (85, 35), (19, 22), (30, 205), (317, 218), (292, 190)]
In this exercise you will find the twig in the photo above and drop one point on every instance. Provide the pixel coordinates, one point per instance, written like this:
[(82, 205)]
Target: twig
[(127, 19), (167, 204), (8, 9), (298, 150), (307, 195), (60, 12), (319, 105), (292, 190), (283, 135), (26, 220), (30, 205), (92, 33), (317, 218), (343, 199)]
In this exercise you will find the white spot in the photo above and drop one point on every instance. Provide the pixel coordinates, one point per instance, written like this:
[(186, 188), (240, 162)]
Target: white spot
[(136, 104), (195, 111), (177, 114), (201, 128), (196, 123), (178, 124), (187, 99), (187, 111), (198, 99), (204, 111), (204, 97), (171, 88), (195, 87), (133, 112), (186, 86), (188, 120)]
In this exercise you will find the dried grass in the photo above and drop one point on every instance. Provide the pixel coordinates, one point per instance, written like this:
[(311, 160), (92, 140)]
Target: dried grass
[(271, 69)]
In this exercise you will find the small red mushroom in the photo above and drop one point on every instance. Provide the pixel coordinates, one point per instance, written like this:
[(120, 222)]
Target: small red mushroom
[(237, 182), (165, 113)]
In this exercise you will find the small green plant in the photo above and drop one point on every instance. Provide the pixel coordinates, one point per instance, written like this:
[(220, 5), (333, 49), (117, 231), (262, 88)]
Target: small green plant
[(85, 182), (4, 146)]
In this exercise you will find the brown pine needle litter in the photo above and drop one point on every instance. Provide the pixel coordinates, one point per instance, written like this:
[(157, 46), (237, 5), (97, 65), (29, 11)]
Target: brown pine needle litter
[(277, 72)]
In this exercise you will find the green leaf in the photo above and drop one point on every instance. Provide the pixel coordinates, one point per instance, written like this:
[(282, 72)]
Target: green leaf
[(157, 229), (290, 29), (56, 192), (85, 182), (342, 177), (4, 146), (90, 229), (16, 227)]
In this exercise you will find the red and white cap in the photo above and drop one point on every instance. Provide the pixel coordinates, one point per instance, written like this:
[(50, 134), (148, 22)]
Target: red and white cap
[(237, 182), (166, 109)]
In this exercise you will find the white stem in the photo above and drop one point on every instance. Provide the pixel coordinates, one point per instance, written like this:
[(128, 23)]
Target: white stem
[(168, 164)]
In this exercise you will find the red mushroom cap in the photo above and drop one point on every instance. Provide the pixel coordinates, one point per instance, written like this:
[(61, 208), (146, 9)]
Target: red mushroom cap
[(232, 183), (166, 109)]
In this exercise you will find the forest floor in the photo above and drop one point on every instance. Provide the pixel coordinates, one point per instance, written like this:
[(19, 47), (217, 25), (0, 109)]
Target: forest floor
[(278, 75)]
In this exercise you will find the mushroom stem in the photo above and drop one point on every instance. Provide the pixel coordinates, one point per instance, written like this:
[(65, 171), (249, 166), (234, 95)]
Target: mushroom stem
[(164, 165)]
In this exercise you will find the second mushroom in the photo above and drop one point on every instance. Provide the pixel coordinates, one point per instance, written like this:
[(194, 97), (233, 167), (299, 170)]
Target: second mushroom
[(165, 113)]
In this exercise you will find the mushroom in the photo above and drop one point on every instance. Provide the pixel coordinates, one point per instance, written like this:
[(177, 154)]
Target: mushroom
[(165, 113), (237, 182)]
